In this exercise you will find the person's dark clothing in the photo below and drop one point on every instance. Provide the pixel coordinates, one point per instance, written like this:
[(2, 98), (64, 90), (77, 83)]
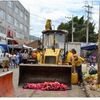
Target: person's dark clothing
[(79, 71)]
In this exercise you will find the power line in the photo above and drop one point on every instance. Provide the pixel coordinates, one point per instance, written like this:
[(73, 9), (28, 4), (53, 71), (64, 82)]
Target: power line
[(32, 14), (44, 18)]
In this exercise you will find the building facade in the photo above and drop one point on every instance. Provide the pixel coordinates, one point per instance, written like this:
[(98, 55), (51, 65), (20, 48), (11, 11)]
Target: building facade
[(14, 21)]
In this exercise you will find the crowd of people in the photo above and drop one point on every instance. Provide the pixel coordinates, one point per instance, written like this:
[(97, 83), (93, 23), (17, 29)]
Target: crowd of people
[(12, 60)]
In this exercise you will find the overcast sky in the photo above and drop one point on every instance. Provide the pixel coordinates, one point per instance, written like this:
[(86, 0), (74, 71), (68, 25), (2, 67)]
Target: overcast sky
[(56, 10)]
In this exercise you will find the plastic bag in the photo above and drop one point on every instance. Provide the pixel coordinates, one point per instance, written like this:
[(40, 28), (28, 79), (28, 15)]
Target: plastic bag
[(92, 70)]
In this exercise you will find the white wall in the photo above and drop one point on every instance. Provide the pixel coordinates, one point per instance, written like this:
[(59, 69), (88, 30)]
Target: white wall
[(74, 45)]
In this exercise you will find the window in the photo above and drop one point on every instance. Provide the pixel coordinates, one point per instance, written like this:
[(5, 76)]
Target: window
[(25, 18), (16, 9), (26, 29), (16, 23), (10, 19), (2, 30), (2, 14), (19, 35), (21, 13), (25, 37), (21, 26), (10, 4)]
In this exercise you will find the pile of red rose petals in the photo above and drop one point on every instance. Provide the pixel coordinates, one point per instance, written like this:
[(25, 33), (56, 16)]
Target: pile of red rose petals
[(46, 86)]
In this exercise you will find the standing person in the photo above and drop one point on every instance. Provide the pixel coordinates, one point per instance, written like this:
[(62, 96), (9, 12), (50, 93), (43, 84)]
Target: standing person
[(34, 56), (20, 57), (39, 56), (30, 52), (10, 56), (69, 56), (25, 57), (64, 57), (17, 59), (90, 60), (5, 63), (77, 65), (94, 60), (13, 58)]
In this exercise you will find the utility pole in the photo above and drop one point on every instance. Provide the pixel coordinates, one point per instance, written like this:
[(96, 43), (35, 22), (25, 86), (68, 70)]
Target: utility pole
[(72, 29), (88, 11), (99, 49)]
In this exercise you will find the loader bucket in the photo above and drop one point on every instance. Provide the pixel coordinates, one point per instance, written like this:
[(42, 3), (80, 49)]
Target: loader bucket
[(6, 84), (37, 73)]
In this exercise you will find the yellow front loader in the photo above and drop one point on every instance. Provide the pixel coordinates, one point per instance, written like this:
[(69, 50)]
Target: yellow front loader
[(50, 68)]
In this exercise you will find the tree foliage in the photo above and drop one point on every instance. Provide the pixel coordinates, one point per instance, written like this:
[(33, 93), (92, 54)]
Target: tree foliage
[(79, 34)]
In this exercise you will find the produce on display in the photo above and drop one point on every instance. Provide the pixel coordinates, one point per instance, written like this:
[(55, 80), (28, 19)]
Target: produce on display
[(89, 78), (91, 81), (46, 86)]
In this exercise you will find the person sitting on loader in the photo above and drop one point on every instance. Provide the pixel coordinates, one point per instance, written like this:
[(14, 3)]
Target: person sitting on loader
[(77, 66), (69, 56), (48, 25)]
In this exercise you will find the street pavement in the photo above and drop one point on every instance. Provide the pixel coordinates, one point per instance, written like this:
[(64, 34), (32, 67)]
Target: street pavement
[(20, 92)]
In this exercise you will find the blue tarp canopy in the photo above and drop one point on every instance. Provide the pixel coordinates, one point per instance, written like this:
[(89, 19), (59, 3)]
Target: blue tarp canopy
[(89, 47), (5, 47)]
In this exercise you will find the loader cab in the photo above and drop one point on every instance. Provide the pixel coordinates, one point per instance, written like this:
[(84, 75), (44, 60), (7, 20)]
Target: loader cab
[(54, 38), (54, 45)]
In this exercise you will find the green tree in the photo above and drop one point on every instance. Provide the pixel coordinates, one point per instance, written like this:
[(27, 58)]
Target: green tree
[(80, 29)]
